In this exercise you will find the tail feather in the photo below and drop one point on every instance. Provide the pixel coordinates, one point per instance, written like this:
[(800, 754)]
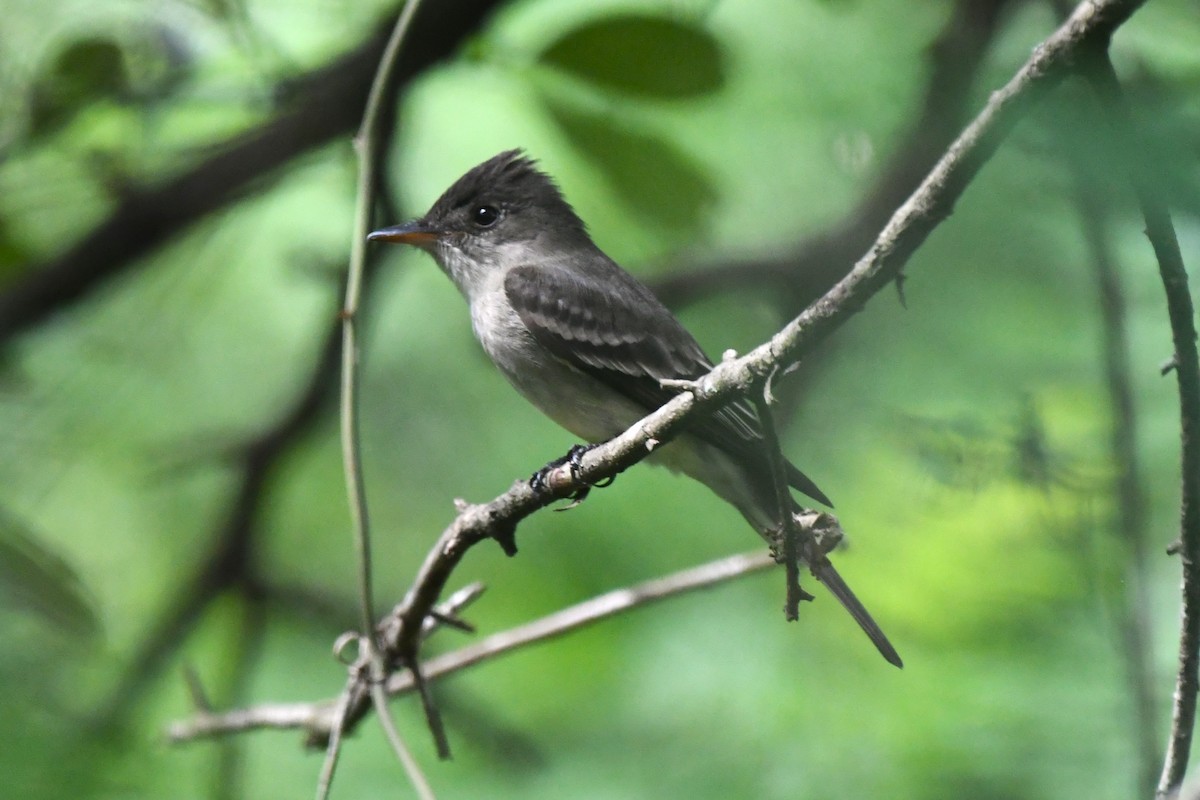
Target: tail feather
[(798, 480), (826, 574)]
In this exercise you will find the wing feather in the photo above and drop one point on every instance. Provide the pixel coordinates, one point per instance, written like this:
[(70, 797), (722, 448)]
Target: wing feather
[(615, 330)]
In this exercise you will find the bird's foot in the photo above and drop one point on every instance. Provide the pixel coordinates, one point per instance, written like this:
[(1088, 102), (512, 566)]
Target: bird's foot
[(543, 479)]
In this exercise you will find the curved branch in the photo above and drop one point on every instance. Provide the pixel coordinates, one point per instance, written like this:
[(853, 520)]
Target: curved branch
[(1091, 25), (1180, 311), (809, 268), (230, 562), (1133, 624), (323, 105), (317, 719)]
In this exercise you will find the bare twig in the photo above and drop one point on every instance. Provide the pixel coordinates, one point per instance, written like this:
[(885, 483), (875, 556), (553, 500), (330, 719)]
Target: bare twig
[(370, 155), (415, 776), (1051, 62), (317, 718), (333, 746), (447, 612), (589, 612), (1187, 370), (433, 716)]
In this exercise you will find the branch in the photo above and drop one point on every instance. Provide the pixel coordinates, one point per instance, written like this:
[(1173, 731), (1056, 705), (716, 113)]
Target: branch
[(369, 149), (1187, 370), (1133, 624), (1051, 62), (369, 143), (317, 718), (415, 776), (809, 268), (230, 561), (323, 105)]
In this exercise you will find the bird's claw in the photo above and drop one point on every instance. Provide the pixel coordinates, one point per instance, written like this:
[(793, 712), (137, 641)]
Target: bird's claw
[(541, 480)]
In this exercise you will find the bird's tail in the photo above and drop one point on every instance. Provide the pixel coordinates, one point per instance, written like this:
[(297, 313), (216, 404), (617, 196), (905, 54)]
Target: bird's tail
[(826, 574)]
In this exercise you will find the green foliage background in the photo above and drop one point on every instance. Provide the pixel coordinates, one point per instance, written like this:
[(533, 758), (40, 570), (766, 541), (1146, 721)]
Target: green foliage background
[(964, 437)]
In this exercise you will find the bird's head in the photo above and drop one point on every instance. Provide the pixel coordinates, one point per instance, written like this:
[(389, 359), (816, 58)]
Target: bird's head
[(500, 214)]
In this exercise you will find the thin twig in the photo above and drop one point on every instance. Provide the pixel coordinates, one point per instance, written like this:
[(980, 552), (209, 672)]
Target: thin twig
[(447, 612), (1161, 233), (589, 612), (367, 145), (433, 717), (334, 745), (1050, 63), (415, 776), (317, 718)]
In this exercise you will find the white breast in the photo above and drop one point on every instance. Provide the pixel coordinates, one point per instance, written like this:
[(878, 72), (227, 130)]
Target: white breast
[(576, 401)]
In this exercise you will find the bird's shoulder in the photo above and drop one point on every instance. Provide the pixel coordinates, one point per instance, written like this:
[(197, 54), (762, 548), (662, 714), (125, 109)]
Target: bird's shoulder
[(602, 317)]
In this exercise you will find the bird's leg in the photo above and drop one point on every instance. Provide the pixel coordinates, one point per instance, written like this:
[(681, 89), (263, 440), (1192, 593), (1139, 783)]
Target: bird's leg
[(786, 550), (541, 480)]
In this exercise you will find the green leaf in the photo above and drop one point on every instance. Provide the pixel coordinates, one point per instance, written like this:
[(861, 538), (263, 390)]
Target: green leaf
[(641, 54), (35, 579), (14, 256), (85, 72), (653, 178)]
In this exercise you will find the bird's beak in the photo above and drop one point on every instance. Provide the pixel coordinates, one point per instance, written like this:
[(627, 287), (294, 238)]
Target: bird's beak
[(416, 233)]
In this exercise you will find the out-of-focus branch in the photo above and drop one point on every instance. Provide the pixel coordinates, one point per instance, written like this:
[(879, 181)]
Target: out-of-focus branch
[(1180, 311), (322, 106), (1133, 616), (805, 271), (230, 562)]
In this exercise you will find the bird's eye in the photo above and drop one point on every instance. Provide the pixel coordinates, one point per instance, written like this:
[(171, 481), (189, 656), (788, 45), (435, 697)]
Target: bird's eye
[(485, 216)]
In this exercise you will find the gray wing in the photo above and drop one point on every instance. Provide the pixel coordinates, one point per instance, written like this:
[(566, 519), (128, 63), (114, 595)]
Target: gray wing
[(614, 329)]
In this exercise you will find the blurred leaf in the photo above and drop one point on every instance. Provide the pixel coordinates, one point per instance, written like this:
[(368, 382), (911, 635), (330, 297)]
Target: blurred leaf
[(37, 580), (972, 453), (13, 255), (224, 9), (85, 72), (641, 54), (651, 176)]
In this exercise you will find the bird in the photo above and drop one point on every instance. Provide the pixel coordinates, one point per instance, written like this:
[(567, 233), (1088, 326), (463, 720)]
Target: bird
[(590, 345)]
